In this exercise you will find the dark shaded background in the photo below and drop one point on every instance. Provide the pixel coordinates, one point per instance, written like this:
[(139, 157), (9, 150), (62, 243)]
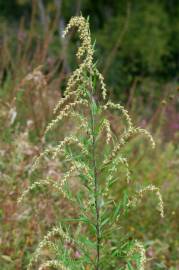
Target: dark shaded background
[(137, 41)]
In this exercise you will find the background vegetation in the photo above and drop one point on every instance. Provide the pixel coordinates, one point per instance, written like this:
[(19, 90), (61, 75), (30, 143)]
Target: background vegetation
[(137, 44)]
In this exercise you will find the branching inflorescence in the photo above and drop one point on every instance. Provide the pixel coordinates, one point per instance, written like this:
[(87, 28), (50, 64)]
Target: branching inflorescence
[(95, 166)]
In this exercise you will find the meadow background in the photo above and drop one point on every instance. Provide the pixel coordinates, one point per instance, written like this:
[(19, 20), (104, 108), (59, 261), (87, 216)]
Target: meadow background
[(137, 51)]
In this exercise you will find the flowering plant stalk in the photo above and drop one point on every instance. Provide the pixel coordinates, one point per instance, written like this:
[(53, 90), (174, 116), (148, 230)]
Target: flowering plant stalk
[(92, 155)]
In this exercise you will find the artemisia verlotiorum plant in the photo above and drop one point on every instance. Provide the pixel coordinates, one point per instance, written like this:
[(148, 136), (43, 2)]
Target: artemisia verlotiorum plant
[(92, 154)]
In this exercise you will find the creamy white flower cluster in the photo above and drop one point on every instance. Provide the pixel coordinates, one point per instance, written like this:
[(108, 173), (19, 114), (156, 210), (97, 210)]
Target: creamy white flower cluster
[(138, 248)]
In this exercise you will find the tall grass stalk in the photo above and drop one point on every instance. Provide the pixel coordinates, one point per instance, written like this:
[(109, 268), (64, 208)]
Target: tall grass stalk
[(92, 158)]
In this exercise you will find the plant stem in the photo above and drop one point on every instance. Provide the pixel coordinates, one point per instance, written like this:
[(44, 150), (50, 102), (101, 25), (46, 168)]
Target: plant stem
[(96, 190)]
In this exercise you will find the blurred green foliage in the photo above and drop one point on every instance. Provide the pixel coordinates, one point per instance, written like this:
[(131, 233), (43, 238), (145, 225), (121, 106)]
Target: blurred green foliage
[(137, 40)]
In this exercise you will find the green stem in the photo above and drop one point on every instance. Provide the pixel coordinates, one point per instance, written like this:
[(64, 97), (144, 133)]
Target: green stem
[(96, 190)]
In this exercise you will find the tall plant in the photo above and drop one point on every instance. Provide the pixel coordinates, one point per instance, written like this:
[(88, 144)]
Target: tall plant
[(92, 154)]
